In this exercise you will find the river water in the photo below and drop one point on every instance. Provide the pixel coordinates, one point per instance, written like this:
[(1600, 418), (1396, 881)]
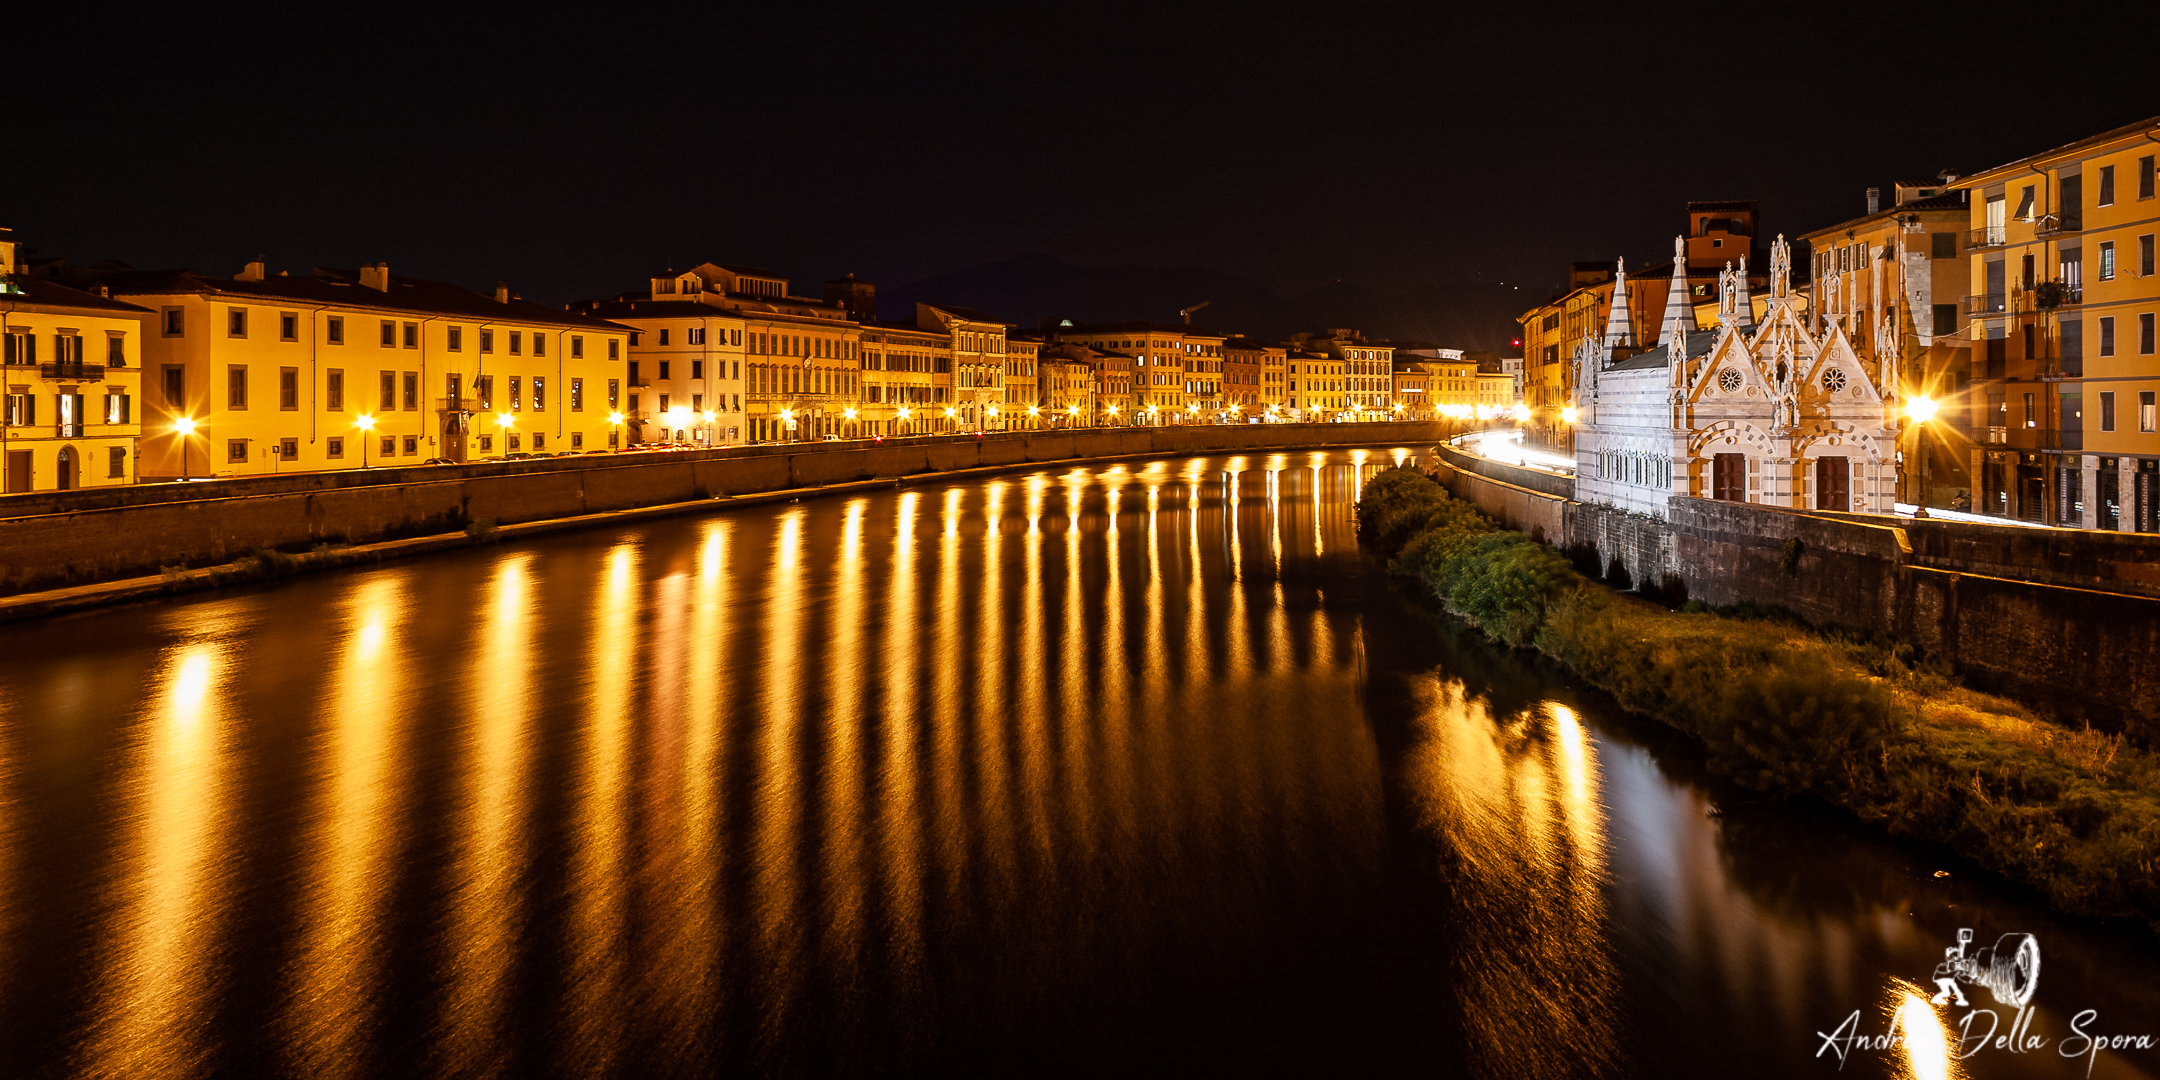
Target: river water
[(1099, 769)]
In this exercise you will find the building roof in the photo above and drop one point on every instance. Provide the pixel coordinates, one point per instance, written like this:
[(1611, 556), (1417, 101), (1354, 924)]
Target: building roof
[(969, 314), (1967, 183), (1698, 343), (1949, 200), (656, 309), (38, 292), (342, 288)]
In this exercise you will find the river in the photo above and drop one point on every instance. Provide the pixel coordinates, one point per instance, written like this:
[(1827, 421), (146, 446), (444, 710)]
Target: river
[(1087, 770)]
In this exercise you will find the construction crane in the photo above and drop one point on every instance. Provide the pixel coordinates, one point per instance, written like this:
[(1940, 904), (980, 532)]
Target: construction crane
[(1186, 313)]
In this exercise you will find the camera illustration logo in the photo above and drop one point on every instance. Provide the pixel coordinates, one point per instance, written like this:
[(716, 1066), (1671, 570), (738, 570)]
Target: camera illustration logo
[(2010, 969)]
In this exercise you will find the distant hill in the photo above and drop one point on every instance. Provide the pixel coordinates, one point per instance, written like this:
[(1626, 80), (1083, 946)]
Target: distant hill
[(1029, 288)]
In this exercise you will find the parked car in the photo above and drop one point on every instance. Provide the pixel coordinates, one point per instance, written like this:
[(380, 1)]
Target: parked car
[(519, 456), (438, 461)]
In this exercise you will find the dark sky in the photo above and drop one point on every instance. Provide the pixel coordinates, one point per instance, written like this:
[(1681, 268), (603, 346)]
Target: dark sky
[(571, 156)]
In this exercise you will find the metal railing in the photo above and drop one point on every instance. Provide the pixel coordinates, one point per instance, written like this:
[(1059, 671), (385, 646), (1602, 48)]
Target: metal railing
[(2055, 224), (1985, 304), (1991, 236), (73, 370)]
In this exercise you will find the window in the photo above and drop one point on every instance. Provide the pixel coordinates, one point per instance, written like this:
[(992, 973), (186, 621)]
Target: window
[(539, 344), (577, 440), (175, 386), (539, 393), (236, 386), (116, 463), (236, 451), (389, 446), (389, 391), (2106, 196), (2145, 177), (577, 347), (2145, 334), (614, 392), (389, 334), (236, 322), (2025, 204), (117, 408), (175, 321), (663, 403), (697, 369), (334, 330), (487, 341), (614, 346), (289, 449), (334, 390), (412, 390), (2032, 419), (517, 341), (288, 326), (334, 447), (2145, 255), (483, 388), (487, 443), (1945, 319), (694, 336), (288, 389), (663, 369), (516, 398), (1945, 245), (577, 395), (663, 337), (455, 338), (115, 350), (412, 445), (2107, 260), (412, 335), (2107, 335), (2147, 421), (2107, 410), (511, 440)]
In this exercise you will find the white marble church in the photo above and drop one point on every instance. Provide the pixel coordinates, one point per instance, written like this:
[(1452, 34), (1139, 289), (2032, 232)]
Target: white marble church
[(1764, 408)]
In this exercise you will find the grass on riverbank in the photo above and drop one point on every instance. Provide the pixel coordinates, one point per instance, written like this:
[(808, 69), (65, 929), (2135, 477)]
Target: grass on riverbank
[(1785, 709)]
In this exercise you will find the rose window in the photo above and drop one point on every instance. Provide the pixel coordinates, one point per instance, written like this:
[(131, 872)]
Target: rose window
[(1833, 380), (1728, 380)]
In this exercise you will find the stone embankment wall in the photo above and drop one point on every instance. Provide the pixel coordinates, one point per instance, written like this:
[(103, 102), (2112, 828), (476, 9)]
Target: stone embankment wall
[(1506, 493), (60, 538), (2065, 619)]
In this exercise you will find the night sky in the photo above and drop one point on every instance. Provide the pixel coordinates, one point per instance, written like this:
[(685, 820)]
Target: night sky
[(573, 156)]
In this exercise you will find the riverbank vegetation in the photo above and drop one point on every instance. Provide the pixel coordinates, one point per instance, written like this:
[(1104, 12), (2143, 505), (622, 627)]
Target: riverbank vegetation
[(1783, 708)]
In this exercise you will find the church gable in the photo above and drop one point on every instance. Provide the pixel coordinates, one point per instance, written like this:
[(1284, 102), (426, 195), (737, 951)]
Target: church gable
[(1728, 373), (1839, 376)]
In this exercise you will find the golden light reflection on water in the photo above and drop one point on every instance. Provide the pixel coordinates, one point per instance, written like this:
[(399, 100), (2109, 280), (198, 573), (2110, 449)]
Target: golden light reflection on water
[(354, 835), (487, 913), (899, 823), (1515, 800), (157, 994), (778, 791), (845, 916), (600, 941)]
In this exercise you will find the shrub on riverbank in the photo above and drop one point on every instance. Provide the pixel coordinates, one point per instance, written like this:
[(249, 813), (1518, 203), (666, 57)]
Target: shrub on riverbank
[(1786, 709)]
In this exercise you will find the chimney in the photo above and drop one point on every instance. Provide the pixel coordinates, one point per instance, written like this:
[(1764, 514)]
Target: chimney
[(1874, 199), (502, 292), (253, 271), (376, 277)]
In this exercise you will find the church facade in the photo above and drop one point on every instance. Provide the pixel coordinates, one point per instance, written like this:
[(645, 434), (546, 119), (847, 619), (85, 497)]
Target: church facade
[(1773, 407)]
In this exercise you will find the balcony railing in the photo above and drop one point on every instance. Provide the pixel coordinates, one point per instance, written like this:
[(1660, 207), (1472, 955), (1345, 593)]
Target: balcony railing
[(1992, 236), (1985, 304), (2054, 224), (72, 371), (68, 431)]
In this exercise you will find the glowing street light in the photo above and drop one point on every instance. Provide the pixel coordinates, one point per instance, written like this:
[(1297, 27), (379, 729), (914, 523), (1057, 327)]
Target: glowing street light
[(366, 423), (1567, 415), (185, 427), (1921, 410)]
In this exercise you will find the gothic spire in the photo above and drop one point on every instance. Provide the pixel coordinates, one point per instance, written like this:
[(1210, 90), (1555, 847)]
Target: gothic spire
[(1617, 320), (1679, 304)]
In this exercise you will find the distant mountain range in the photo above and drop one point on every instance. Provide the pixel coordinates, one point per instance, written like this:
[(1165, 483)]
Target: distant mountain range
[(1030, 288)]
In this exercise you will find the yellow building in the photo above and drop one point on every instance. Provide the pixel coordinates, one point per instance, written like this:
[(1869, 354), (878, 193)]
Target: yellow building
[(1067, 395), (1257, 374), (73, 373), (979, 370), (1177, 371), (1316, 386), (2063, 297), (1023, 406), (907, 380), (342, 370), (1368, 380), (1895, 280)]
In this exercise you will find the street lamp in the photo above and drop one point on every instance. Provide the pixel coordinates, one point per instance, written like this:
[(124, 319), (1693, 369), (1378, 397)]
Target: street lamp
[(185, 426), (366, 423), (1921, 410)]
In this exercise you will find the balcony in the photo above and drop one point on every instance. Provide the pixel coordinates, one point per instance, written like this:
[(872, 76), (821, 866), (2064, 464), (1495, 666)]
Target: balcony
[(68, 431), (1980, 304), (456, 404), (1993, 236), (72, 371), (2056, 224)]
